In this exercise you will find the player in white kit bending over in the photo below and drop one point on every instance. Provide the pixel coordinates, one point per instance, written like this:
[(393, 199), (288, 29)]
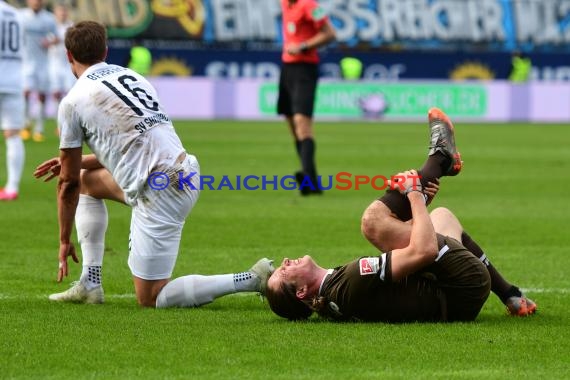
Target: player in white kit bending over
[(40, 32), (116, 112), (11, 97)]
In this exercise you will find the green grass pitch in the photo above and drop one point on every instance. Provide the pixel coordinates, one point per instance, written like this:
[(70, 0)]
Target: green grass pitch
[(512, 196)]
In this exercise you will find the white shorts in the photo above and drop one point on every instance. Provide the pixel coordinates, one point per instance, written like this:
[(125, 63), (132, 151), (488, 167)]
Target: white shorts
[(12, 115), (36, 78), (157, 221), (61, 79)]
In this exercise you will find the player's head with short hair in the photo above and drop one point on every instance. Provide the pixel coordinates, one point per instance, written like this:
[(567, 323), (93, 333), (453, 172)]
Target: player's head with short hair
[(35, 5), (61, 11), (86, 41)]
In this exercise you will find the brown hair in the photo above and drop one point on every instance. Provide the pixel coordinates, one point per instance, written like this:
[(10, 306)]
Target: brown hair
[(87, 42), (285, 303)]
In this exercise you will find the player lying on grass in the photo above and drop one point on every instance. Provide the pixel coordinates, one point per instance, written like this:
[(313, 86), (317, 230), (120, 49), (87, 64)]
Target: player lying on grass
[(116, 112), (431, 271)]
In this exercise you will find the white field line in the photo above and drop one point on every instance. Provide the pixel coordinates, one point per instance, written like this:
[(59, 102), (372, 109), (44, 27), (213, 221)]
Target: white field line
[(546, 290), (4, 296)]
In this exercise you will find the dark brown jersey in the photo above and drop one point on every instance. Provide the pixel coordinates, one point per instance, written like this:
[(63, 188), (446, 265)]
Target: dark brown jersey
[(356, 292)]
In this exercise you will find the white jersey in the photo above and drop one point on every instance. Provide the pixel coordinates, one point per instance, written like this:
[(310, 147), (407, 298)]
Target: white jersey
[(11, 49), (117, 113), (61, 77), (57, 53), (37, 28)]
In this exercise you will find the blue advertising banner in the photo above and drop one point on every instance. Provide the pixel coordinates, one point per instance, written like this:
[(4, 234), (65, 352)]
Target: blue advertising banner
[(395, 39), (474, 25), (390, 66), (440, 24)]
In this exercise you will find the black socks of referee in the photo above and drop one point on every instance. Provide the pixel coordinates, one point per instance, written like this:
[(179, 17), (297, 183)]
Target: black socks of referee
[(306, 151), (501, 287)]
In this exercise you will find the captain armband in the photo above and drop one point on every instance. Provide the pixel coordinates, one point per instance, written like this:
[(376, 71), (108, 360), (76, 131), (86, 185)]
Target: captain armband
[(386, 267)]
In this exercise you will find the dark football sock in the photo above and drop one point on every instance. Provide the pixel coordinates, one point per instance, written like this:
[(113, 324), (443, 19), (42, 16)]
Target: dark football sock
[(501, 287), (308, 157), (298, 147), (398, 204), (434, 168)]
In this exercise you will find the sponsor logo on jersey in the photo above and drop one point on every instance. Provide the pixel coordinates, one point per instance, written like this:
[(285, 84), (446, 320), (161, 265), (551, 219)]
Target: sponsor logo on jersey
[(291, 28), (318, 13), (369, 265)]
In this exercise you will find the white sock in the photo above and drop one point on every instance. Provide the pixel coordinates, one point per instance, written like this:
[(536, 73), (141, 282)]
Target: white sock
[(91, 224), (14, 162), (246, 282), (195, 290), (91, 276), (40, 119)]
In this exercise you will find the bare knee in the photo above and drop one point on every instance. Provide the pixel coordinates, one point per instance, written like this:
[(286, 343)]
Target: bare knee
[(303, 126), (87, 181), (446, 223), (440, 212), (143, 302), (83, 181), (146, 302), (382, 229), (100, 184), (368, 225), (147, 290)]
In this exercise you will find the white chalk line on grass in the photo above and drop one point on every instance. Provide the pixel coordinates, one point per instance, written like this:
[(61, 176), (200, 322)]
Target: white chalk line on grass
[(4, 296), (546, 290), (45, 296)]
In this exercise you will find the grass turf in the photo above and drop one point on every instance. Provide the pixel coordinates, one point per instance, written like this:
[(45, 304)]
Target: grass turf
[(512, 197)]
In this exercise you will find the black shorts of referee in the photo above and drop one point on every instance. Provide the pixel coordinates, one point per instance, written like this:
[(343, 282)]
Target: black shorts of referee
[(297, 89)]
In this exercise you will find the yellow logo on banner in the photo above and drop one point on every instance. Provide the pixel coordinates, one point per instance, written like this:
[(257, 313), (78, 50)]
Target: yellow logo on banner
[(472, 70), (189, 13), (170, 66)]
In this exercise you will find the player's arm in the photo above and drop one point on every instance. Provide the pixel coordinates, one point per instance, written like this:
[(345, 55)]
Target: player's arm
[(52, 167), (422, 249), (50, 40), (325, 36), (68, 188)]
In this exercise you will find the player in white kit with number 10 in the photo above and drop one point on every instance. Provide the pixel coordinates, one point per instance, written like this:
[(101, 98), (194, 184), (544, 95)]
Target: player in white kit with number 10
[(11, 97)]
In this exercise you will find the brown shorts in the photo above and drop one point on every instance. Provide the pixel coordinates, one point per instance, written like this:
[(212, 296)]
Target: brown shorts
[(464, 281)]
